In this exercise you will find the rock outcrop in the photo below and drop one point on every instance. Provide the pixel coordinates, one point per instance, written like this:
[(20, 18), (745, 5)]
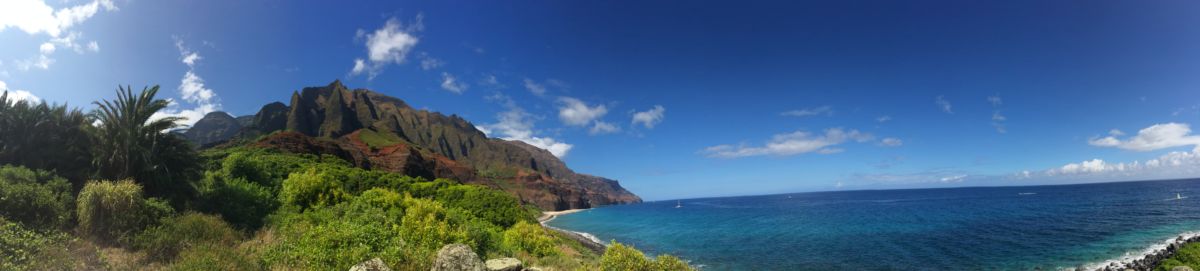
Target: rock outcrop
[(503, 264), (375, 264), (457, 257), (381, 132)]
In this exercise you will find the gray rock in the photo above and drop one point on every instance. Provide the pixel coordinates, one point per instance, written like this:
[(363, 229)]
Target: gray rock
[(531, 268), (1181, 268), (503, 264), (457, 257), (375, 264)]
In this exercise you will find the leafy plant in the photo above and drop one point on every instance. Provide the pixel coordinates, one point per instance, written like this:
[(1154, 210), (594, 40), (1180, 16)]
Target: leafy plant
[(35, 198), (175, 234)]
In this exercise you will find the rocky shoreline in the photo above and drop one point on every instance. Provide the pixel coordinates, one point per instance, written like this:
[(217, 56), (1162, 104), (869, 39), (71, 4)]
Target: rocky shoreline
[(1151, 260)]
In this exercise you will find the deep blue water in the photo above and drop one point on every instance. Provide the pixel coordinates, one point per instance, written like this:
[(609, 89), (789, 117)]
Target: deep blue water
[(992, 228)]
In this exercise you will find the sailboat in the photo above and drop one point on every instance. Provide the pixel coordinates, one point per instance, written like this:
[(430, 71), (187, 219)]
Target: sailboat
[(1177, 196), (678, 204)]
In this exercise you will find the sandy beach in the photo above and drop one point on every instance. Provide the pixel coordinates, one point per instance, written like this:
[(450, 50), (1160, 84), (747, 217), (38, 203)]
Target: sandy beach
[(550, 215), (587, 240)]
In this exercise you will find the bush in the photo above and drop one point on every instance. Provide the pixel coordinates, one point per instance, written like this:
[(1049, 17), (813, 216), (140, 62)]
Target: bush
[(1188, 256), (213, 257), (622, 257), (24, 249), (175, 234), (531, 238), (36, 199), (114, 211), (312, 188), (496, 207), (242, 203)]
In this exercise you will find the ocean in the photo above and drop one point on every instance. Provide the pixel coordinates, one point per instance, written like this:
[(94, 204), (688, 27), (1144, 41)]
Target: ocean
[(983, 228)]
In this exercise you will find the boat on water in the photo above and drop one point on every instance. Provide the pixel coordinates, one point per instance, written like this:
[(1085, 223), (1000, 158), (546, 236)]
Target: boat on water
[(678, 204)]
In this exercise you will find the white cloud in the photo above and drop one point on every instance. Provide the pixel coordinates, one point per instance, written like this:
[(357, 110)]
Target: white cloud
[(46, 48), (193, 90), (794, 143), (823, 110), (574, 112), (601, 127), (36, 17), (449, 83), (516, 124), (891, 142), (428, 62), (15, 95), (953, 179), (534, 87), (387, 45), (944, 104), (884, 118), (1158, 136), (649, 118), (1170, 165)]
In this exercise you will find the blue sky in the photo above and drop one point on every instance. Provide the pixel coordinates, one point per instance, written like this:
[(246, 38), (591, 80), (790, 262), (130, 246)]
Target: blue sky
[(684, 98)]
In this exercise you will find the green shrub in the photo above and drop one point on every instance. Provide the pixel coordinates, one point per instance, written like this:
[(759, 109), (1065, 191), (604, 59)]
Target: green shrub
[(622, 257), (165, 241), (114, 211), (335, 237), (34, 198), (619, 257), (24, 249), (668, 262), (244, 204), (531, 238), (426, 225), (496, 207), (312, 188), (1188, 256), (213, 257)]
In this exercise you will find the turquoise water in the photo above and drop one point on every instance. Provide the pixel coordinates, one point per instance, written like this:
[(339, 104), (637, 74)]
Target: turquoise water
[(995, 228)]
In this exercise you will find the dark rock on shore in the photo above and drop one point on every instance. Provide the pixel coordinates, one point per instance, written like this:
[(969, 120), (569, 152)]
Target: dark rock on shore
[(1153, 259)]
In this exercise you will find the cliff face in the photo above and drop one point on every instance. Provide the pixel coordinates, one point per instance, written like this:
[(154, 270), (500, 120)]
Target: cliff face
[(381, 132)]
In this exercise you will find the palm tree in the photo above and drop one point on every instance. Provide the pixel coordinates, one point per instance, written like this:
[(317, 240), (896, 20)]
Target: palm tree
[(43, 136), (133, 142)]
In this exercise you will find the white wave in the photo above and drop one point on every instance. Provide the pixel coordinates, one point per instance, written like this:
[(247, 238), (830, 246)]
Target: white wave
[(1131, 256)]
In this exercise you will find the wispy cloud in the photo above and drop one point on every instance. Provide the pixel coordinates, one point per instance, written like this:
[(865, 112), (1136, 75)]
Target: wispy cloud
[(798, 142), (428, 62), (884, 118), (535, 87), (451, 84), (649, 118), (516, 124), (805, 112), (997, 118), (600, 128), (944, 104)]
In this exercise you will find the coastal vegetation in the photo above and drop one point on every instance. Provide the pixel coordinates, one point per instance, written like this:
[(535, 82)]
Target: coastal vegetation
[(118, 188)]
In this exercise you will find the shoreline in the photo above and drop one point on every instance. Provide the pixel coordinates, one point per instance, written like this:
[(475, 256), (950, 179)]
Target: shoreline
[(551, 215), (1150, 257), (588, 241)]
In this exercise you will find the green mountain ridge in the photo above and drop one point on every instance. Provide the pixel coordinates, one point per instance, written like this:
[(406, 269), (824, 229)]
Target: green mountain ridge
[(383, 132)]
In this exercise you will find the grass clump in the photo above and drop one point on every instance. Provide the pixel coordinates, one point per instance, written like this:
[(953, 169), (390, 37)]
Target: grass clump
[(112, 212)]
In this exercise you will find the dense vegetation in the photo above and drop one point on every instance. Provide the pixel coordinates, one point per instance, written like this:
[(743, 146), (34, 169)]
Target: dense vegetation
[(133, 195), (1188, 256)]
